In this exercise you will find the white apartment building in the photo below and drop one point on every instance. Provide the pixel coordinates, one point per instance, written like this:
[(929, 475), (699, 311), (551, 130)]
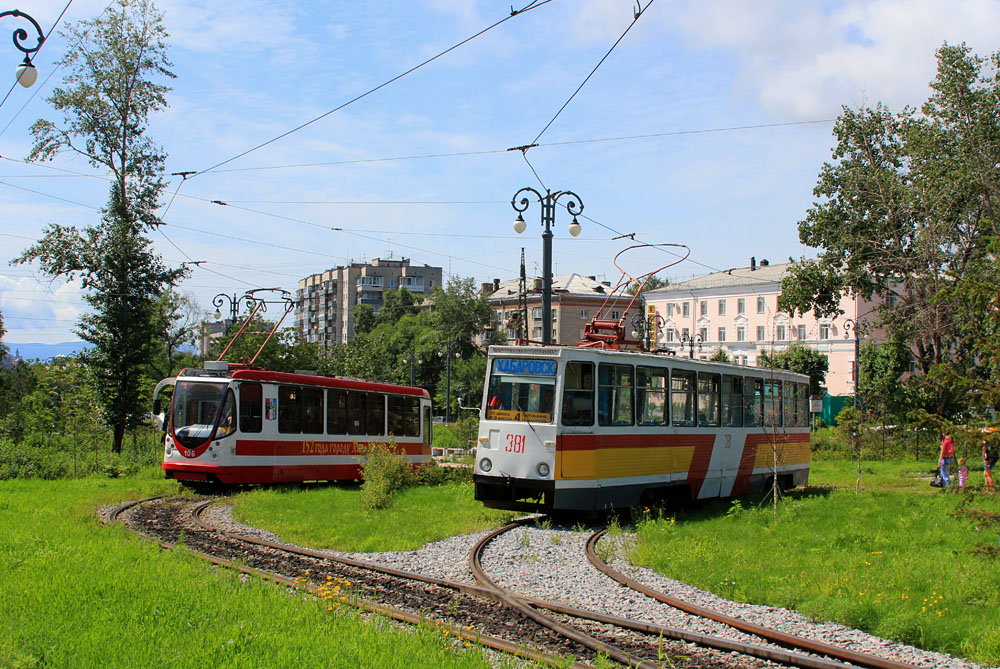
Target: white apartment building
[(326, 302)]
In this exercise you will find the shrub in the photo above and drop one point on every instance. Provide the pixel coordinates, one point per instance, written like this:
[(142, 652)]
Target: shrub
[(30, 461), (383, 472), (431, 473)]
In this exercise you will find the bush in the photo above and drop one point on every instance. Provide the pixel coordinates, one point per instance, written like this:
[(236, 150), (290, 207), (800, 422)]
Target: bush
[(383, 472), (30, 461), (431, 473)]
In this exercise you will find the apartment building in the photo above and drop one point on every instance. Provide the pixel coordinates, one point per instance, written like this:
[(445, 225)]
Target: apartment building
[(576, 300), (737, 310), (326, 302)]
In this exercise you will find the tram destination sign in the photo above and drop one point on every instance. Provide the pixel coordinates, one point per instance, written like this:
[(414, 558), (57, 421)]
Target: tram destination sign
[(524, 367)]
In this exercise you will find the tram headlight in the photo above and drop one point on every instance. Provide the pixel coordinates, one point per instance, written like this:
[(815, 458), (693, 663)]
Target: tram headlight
[(542, 469), (485, 465)]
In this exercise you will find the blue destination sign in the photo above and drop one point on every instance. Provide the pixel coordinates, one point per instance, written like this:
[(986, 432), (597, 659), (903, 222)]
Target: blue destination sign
[(531, 367)]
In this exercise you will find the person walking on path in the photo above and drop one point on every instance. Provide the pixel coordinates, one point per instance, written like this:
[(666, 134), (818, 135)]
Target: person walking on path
[(989, 460), (947, 456)]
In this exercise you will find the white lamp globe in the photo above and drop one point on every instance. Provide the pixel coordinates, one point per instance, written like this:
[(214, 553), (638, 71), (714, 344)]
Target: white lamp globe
[(26, 74), (574, 228), (519, 224)]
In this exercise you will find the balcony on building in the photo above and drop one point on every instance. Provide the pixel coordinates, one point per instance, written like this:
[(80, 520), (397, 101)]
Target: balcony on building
[(414, 284), (369, 282)]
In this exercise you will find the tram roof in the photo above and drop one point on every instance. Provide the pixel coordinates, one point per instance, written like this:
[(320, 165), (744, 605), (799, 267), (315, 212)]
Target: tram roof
[(266, 376)]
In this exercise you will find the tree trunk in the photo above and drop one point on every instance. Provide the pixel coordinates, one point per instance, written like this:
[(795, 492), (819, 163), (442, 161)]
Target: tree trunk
[(119, 433)]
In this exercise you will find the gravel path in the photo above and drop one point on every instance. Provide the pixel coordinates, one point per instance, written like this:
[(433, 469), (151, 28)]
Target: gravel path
[(551, 564)]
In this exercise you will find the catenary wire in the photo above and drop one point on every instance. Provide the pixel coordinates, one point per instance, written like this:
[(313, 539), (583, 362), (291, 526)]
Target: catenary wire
[(587, 78), (533, 5)]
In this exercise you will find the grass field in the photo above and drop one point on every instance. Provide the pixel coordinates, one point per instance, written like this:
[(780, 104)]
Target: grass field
[(900, 560), (78, 594), (331, 516)]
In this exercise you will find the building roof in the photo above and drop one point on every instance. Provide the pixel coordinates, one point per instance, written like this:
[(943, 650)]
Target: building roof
[(737, 277), (562, 284)]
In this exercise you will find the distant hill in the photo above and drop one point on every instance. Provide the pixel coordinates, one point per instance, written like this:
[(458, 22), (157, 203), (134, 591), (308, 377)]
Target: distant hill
[(47, 351)]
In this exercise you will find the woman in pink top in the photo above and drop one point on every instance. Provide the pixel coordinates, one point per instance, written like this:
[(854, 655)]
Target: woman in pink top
[(947, 456)]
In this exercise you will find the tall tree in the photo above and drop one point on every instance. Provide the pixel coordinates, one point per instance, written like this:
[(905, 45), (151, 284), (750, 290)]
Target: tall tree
[(907, 209), (116, 66), (799, 358)]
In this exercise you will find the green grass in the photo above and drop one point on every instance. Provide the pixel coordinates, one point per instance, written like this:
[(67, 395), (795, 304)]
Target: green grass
[(75, 593), (331, 517), (900, 560)]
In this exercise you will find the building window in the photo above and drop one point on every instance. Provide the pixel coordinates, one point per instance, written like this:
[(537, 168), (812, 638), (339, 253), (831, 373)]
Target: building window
[(824, 331), (686, 309), (741, 305), (615, 315), (536, 312), (890, 301), (741, 333), (670, 310), (800, 331), (760, 333), (670, 335), (780, 333), (685, 333), (722, 307), (761, 307), (536, 333), (555, 314), (704, 308), (583, 314), (703, 333), (722, 334)]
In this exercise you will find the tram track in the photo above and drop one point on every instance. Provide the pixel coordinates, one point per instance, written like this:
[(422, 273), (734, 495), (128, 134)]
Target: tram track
[(411, 597)]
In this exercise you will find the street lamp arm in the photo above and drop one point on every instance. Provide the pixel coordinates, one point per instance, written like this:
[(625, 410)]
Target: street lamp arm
[(522, 204), (575, 204), (21, 34)]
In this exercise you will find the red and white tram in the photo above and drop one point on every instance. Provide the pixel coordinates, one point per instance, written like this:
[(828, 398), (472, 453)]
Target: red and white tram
[(585, 429), (235, 425)]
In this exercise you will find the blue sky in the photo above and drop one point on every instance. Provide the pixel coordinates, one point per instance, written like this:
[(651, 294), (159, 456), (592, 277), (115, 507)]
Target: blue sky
[(250, 71)]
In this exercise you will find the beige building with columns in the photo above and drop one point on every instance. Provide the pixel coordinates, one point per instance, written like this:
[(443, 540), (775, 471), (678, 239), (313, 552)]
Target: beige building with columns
[(737, 310)]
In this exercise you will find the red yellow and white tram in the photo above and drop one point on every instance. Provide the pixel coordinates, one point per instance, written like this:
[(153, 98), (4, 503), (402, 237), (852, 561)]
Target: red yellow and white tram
[(585, 429), (237, 426)]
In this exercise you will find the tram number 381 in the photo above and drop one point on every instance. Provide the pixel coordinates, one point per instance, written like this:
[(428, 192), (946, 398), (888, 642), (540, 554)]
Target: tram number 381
[(515, 443)]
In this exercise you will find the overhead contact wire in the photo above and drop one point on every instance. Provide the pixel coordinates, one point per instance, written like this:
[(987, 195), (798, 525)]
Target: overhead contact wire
[(533, 5)]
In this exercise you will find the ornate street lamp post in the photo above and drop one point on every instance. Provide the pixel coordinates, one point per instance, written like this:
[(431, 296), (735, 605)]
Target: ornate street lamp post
[(446, 354), (234, 306), (548, 201), (849, 326), (689, 341), (26, 73), (645, 328)]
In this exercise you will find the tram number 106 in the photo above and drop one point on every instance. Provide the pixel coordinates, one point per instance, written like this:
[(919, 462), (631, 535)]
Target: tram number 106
[(515, 443)]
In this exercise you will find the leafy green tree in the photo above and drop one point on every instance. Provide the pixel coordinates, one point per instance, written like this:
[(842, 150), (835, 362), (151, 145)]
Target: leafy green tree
[(396, 304), (364, 319), (719, 355), (178, 320), (3, 331), (799, 358), (17, 382), (115, 63), (654, 283), (907, 209), (882, 365), (286, 351)]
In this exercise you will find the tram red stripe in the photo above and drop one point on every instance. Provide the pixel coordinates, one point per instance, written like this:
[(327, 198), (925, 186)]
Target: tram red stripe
[(590, 442), (283, 448)]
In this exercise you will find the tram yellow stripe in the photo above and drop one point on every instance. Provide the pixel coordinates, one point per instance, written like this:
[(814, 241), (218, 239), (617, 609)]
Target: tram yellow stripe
[(620, 462), (789, 453)]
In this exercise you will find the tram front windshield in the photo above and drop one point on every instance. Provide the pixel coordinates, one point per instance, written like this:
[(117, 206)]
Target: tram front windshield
[(196, 406), (521, 390)]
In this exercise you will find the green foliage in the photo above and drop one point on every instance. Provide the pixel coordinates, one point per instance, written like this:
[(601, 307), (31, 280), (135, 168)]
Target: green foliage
[(3, 348), (908, 208), (799, 358), (653, 283), (286, 351), (719, 355), (110, 94), (177, 322), (433, 474), (384, 472), (917, 575), (882, 364), (119, 597)]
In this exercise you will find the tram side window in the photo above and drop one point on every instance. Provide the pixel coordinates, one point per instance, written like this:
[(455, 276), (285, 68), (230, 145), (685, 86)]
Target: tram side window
[(312, 411), (788, 403), (227, 419), (651, 395), (336, 412), (396, 415), (682, 396), (732, 400), (289, 409), (411, 417), (753, 402), (251, 407), (578, 394), (376, 414), (428, 433), (356, 407), (614, 394), (802, 403), (709, 396), (772, 403)]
